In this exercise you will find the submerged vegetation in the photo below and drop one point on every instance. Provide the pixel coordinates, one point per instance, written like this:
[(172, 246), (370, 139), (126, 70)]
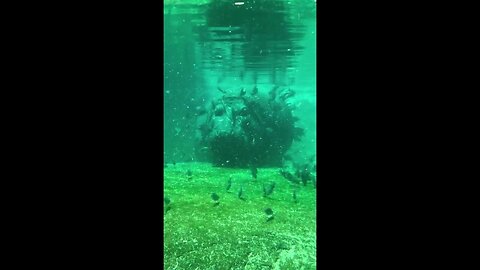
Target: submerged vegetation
[(258, 232)]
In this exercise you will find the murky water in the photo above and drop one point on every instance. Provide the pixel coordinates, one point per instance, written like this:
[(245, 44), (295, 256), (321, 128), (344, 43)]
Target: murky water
[(231, 65), (211, 44)]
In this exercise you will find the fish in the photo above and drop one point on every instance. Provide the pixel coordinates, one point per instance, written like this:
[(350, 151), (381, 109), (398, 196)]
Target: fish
[(229, 183), (305, 176), (221, 90), (298, 173), (273, 93), (295, 196), (219, 110), (177, 131), (215, 198), (242, 92), (287, 93), (254, 171), (240, 194), (255, 90), (298, 133), (189, 174), (289, 176), (269, 213), (269, 190), (204, 129), (166, 201)]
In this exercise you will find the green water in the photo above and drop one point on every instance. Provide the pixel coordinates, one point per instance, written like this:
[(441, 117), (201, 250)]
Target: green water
[(236, 234), (211, 44)]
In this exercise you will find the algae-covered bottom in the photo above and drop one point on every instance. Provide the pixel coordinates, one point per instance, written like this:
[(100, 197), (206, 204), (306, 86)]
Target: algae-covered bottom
[(235, 234)]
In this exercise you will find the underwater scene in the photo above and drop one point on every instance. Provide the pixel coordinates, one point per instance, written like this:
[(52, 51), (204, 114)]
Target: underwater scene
[(240, 176)]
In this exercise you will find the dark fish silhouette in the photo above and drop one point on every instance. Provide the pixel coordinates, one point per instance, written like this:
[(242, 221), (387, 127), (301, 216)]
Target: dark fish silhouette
[(174, 163), (243, 92), (269, 213), (221, 90), (240, 194), (273, 93), (166, 201), (219, 111), (204, 129), (305, 176), (298, 173), (272, 186), (254, 172), (255, 90), (287, 93), (229, 183), (298, 133), (268, 190), (289, 176), (215, 198), (295, 196)]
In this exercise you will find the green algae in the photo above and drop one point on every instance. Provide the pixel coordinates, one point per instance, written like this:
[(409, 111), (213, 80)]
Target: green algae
[(235, 234)]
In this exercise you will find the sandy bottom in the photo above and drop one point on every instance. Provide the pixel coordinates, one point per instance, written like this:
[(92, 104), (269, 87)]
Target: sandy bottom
[(235, 234)]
